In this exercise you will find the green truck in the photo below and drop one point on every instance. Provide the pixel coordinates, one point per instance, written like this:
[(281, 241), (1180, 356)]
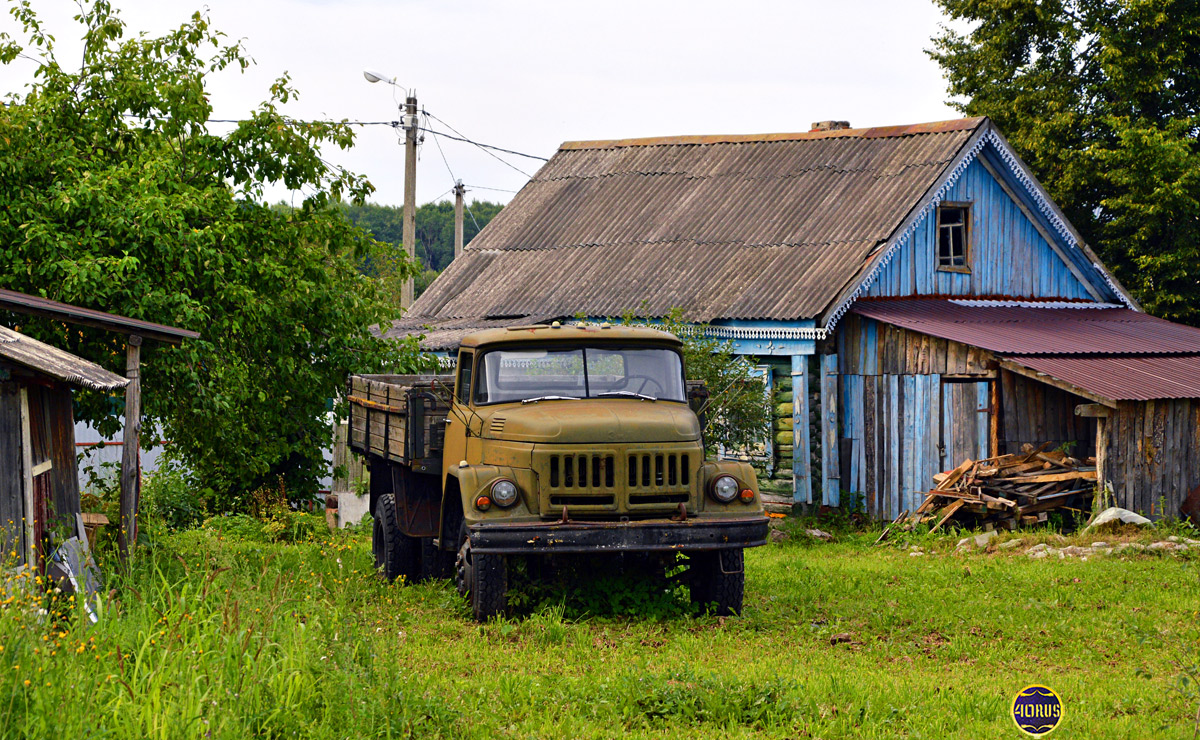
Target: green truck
[(551, 440)]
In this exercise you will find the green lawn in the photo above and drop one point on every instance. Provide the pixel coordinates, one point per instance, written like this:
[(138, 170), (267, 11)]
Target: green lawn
[(219, 636)]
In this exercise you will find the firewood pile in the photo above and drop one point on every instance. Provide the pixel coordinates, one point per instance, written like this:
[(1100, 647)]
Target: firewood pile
[(1009, 490)]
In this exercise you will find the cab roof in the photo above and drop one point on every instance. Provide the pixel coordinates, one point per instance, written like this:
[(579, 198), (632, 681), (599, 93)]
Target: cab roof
[(580, 333)]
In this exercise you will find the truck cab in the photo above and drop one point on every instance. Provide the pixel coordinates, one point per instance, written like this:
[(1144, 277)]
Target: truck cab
[(563, 439)]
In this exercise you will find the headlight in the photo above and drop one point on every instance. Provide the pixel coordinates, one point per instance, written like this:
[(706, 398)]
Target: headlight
[(724, 488), (504, 492)]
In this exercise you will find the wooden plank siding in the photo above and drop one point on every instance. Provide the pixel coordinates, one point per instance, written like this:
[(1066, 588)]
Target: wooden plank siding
[(1009, 252), (1154, 454), (912, 405), (12, 503), (1036, 413)]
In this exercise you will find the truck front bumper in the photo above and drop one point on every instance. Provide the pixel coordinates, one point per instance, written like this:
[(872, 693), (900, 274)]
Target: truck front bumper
[(648, 535)]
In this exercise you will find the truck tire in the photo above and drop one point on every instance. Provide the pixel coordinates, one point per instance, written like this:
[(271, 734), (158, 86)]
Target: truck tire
[(396, 554), (718, 580), (436, 564), (483, 579)]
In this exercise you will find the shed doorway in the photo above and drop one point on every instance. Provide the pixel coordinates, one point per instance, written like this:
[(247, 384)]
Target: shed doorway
[(966, 421)]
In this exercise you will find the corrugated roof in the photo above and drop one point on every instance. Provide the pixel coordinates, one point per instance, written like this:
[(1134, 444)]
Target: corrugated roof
[(442, 335), (725, 227), (1123, 378), (1022, 330), (55, 362)]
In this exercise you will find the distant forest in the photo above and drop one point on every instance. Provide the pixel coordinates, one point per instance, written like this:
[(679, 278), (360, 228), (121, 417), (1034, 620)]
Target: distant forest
[(435, 230)]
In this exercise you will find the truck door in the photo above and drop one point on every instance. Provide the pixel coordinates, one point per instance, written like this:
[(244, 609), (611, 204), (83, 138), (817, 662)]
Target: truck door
[(460, 413)]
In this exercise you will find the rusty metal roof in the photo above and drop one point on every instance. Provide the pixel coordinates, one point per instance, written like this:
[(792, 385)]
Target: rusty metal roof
[(1020, 329), (1123, 378), (56, 363), (723, 227)]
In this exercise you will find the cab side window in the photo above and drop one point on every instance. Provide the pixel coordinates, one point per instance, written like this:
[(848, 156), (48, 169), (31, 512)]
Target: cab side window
[(463, 393)]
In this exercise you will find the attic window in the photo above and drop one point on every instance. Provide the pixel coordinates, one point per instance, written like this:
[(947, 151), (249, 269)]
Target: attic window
[(953, 237)]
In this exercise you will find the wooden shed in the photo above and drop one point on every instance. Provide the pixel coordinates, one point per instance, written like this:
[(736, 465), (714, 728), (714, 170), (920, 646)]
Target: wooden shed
[(783, 244), (39, 484)]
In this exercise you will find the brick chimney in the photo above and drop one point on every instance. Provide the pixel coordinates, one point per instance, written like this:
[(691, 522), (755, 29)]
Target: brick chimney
[(830, 125)]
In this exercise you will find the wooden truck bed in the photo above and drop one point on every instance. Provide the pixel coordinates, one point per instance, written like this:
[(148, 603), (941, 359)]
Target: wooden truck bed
[(401, 418)]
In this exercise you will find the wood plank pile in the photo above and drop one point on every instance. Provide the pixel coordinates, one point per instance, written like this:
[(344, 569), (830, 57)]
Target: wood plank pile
[(1010, 490)]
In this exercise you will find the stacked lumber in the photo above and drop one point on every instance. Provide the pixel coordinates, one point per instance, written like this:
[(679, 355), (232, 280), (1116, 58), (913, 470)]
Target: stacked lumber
[(1009, 490)]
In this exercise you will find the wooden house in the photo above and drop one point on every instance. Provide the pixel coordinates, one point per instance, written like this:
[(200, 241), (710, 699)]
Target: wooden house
[(911, 295), (39, 485)]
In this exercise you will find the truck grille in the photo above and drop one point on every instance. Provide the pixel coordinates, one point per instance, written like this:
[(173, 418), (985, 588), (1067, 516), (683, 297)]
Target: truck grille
[(603, 482), (658, 478), (582, 480)]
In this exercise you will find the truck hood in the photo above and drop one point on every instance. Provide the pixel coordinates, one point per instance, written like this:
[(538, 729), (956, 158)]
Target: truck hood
[(602, 421)]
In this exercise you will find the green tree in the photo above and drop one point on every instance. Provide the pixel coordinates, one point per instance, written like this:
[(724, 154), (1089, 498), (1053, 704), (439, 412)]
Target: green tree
[(738, 410), (1102, 99), (114, 195), (435, 227)]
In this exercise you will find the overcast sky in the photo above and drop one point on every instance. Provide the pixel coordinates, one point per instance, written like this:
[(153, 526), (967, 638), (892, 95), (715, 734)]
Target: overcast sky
[(529, 75)]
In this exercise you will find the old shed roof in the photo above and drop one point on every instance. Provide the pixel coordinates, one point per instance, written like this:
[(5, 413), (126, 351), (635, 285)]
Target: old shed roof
[(773, 226), (11, 300), (56, 363), (1114, 353), (1023, 329), (1123, 377)]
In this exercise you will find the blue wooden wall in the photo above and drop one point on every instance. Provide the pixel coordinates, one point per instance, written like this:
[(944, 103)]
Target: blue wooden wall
[(1009, 256)]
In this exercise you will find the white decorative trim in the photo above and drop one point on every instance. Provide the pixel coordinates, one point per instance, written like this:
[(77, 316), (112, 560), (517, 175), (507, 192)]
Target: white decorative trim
[(763, 332), (746, 332), (902, 239), (1032, 304), (1113, 286)]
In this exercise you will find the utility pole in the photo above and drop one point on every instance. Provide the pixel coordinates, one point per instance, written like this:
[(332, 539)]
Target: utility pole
[(458, 218), (410, 193)]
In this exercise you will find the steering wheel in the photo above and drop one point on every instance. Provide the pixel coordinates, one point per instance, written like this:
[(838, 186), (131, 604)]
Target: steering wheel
[(646, 380)]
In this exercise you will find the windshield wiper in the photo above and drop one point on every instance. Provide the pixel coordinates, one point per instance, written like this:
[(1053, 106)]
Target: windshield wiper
[(550, 398), (631, 394)]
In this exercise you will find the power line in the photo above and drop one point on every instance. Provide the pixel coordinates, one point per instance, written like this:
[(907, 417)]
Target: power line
[(481, 147), (484, 146), (392, 124), (484, 187)]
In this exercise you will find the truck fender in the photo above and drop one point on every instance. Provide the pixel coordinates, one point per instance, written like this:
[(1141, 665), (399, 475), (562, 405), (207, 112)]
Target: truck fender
[(452, 512)]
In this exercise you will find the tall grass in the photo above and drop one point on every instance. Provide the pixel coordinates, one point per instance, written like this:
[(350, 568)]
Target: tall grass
[(214, 634)]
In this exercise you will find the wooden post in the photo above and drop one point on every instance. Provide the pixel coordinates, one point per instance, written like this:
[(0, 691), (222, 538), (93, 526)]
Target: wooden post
[(29, 552), (131, 469), (801, 450), (459, 190), (994, 417), (831, 483)]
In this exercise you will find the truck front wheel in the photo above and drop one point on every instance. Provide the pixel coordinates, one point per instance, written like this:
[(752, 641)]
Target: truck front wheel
[(396, 554), (483, 579), (718, 579)]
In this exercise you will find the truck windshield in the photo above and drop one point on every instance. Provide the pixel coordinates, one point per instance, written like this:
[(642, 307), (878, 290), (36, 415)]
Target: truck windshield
[(507, 375)]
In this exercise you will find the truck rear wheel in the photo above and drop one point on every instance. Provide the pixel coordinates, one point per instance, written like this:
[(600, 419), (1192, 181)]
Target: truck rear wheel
[(718, 580), (483, 579), (396, 554)]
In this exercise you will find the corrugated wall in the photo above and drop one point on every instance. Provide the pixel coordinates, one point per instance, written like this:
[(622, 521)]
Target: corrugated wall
[(1009, 256)]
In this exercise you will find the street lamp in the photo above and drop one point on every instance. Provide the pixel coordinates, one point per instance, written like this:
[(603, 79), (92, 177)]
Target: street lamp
[(409, 124)]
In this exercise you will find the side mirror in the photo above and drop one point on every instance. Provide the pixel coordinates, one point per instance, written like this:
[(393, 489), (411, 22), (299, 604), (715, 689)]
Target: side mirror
[(697, 396)]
